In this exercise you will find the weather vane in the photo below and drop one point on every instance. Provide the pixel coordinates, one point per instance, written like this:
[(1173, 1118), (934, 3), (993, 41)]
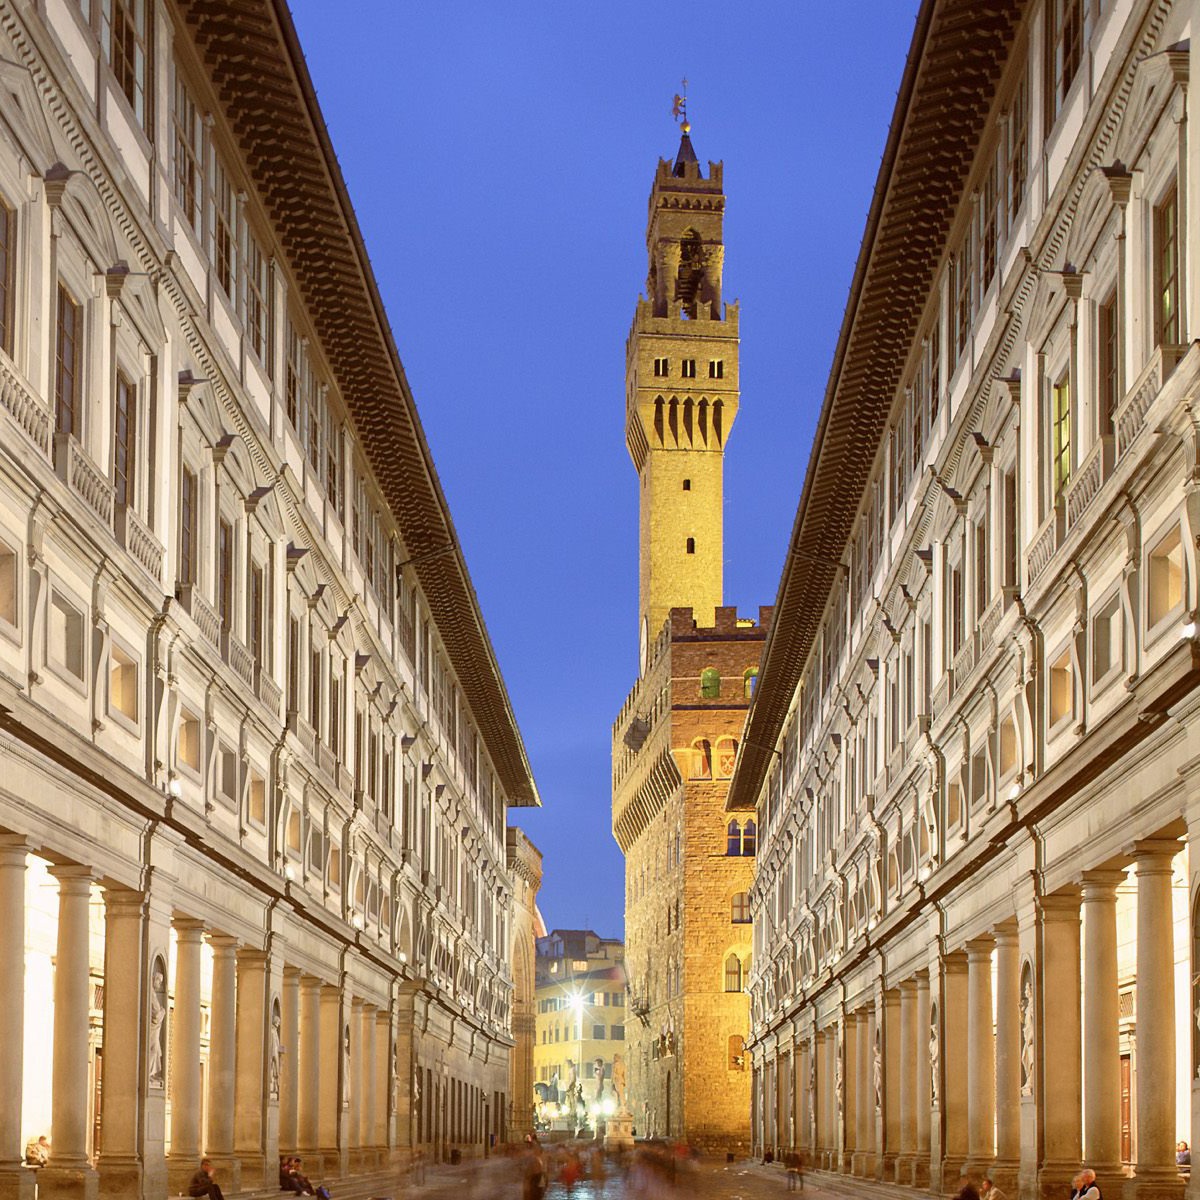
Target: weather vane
[(679, 107)]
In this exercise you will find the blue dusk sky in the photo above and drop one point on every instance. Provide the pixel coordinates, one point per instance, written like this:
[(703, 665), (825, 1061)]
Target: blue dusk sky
[(499, 156)]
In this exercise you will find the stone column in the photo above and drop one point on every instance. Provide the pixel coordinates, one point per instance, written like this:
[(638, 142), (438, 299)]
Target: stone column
[(981, 1058), (889, 1146), (185, 1056), (289, 1069), (848, 1134), (1102, 1049), (1060, 1047), (370, 1087), (924, 1091), (250, 1088), (331, 1098), (803, 1116), (832, 1126), (222, 1060), (863, 1093), (1008, 1059), (69, 1174), (819, 1105), (16, 1183), (908, 1081), (355, 1135), (383, 1061), (1155, 1172), (125, 1028), (308, 1069), (953, 1075)]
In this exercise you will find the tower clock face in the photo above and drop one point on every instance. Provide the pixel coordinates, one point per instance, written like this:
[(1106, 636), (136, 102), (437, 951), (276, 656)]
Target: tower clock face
[(644, 646)]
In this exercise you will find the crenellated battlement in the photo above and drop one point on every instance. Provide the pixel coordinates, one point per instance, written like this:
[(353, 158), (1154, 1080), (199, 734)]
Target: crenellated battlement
[(726, 626), (692, 179)]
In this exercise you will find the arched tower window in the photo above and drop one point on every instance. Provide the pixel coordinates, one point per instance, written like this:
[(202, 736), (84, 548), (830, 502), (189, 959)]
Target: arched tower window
[(702, 759), (749, 681), (733, 974), (733, 839), (726, 756), (750, 839), (710, 681)]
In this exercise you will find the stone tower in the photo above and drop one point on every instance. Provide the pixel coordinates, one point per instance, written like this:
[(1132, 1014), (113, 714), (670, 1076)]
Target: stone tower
[(681, 393), (689, 864)]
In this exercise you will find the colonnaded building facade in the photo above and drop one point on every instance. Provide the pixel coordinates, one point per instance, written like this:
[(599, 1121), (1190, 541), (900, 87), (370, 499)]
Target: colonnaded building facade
[(256, 749), (687, 865), (975, 749)]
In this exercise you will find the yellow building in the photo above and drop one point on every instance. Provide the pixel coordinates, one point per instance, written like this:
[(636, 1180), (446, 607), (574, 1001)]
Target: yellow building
[(580, 1021), (687, 863)]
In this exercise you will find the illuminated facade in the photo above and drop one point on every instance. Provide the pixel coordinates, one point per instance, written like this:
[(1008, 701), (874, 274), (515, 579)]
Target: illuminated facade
[(973, 750), (255, 749)]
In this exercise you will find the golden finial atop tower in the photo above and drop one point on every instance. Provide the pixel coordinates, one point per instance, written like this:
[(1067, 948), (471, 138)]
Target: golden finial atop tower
[(679, 108)]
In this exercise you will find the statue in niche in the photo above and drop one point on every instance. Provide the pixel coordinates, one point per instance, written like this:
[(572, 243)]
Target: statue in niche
[(275, 1061), (157, 1058), (877, 1069), (839, 1084), (934, 1055), (598, 1067), (346, 1067), (1027, 1036)]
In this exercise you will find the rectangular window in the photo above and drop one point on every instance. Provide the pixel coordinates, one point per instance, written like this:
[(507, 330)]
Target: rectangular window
[(689, 368), (983, 582), (124, 440), (662, 367), (125, 36), (8, 585), (189, 152), (66, 636), (1107, 653), (187, 746), (333, 459), (1010, 528), (123, 684), (336, 715), (68, 353), (1060, 433), (1064, 50), (293, 665), (1164, 584), (314, 688), (8, 263), (293, 381), (716, 368), (223, 231), (255, 618), (956, 609), (256, 800), (1018, 148), (256, 298), (1166, 270), (1106, 362), (225, 573), (188, 502), (1060, 697)]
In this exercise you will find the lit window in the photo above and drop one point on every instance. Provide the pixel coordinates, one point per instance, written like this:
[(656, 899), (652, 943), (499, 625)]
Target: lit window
[(1060, 431), (8, 584), (1166, 270), (256, 800), (187, 747), (1165, 581), (123, 684), (733, 839), (1008, 747), (1061, 700), (733, 974)]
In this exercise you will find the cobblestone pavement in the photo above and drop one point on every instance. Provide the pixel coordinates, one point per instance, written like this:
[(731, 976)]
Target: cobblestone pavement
[(707, 1180)]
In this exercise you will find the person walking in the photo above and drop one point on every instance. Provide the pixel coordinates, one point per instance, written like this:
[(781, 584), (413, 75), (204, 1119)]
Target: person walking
[(203, 1182)]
